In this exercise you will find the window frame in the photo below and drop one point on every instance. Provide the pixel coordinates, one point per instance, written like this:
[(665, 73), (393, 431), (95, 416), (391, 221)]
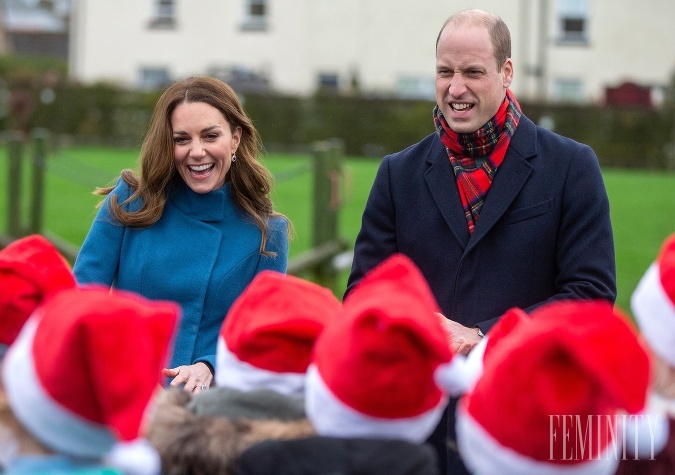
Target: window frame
[(572, 18), (255, 20), (163, 15)]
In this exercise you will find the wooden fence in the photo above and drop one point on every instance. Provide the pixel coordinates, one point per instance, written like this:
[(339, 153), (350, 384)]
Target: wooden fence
[(319, 264)]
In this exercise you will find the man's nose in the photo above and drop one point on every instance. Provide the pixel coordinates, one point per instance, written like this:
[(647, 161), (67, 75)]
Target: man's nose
[(457, 84)]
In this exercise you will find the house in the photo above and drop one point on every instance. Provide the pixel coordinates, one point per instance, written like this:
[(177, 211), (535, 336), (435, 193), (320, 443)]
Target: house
[(35, 28), (563, 50)]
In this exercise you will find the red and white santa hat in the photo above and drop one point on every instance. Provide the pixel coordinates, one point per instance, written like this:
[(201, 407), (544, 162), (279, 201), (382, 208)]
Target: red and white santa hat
[(576, 368), (373, 369), (85, 366), (267, 337), (500, 331), (31, 270), (653, 302)]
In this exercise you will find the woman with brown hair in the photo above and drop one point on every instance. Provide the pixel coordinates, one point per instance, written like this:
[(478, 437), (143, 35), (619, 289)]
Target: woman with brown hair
[(195, 224)]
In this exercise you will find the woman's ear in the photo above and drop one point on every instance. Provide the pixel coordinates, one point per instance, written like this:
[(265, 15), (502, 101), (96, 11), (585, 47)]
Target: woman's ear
[(236, 138)]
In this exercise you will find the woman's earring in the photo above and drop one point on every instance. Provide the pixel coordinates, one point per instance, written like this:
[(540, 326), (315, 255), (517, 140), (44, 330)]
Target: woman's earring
[(234, 157)]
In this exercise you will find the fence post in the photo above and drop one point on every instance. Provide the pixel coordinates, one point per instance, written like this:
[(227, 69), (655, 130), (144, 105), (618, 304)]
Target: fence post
[(327, 169), (39, 162), (15, 145)]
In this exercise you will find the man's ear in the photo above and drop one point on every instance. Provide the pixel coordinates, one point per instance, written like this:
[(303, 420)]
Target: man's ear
[(507, 73)]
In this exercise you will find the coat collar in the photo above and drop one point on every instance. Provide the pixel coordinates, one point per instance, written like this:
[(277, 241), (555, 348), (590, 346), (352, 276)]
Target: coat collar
[(511, 177), (213, 206)]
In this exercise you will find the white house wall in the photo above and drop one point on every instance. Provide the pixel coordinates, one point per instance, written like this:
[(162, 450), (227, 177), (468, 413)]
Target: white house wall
[(386, 44), (629, 41)]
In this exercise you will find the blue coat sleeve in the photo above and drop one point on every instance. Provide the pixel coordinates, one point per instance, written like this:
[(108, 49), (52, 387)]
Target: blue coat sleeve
[(98, 258), (277, 241)]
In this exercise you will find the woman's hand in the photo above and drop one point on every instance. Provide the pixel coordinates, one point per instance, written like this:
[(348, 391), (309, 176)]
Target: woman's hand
[(196, 377)]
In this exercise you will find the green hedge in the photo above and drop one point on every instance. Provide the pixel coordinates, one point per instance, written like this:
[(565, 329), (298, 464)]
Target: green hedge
[(369, 126), (622, 137)]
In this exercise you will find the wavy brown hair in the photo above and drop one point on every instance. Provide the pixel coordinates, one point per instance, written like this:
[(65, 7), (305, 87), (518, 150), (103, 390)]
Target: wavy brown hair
[(251, 182)]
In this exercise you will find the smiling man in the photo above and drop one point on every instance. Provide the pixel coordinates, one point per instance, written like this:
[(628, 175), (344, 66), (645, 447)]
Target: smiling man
[(495, 211)]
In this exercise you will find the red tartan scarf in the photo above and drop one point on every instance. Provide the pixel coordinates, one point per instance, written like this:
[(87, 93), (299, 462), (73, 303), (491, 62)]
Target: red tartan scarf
[(475, 157)]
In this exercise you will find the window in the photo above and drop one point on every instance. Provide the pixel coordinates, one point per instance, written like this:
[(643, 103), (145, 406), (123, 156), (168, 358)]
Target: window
[(164, 15), (255, 15), (568, 90), (573, 21), (152, 78), (328, 82), (240, 78), (416, 87)]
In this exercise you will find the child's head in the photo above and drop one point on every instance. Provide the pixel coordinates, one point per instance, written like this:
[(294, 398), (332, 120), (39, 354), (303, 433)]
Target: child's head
[(31, 270), (653, 306)]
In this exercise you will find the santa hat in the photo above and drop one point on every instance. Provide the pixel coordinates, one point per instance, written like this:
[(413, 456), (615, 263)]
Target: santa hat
[(267, 337), (373, 369), (31, 270), (500, 331), (551, 394), (85, 366), (653, 303)]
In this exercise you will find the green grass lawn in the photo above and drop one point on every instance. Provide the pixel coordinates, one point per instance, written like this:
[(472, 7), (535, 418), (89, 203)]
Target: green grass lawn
[(642, 202), (642, 206)]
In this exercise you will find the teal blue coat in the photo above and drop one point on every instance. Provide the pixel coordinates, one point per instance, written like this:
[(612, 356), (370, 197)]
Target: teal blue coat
[(201, 253)]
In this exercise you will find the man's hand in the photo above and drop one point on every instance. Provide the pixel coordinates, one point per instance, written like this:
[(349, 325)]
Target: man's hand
[(462, 339)]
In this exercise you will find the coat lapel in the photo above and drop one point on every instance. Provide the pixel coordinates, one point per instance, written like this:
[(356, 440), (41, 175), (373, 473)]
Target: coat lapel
[(510, 179), (441, 183)]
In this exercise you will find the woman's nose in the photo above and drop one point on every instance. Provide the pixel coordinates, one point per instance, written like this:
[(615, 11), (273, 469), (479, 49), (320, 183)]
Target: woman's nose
[(197, 150)]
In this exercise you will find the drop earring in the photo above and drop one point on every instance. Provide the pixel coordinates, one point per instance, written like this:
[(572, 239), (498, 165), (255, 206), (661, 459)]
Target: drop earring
[(234, 157)]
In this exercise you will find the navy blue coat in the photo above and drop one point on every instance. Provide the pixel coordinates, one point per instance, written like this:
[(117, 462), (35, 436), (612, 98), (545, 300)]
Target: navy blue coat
[(544, 232)]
